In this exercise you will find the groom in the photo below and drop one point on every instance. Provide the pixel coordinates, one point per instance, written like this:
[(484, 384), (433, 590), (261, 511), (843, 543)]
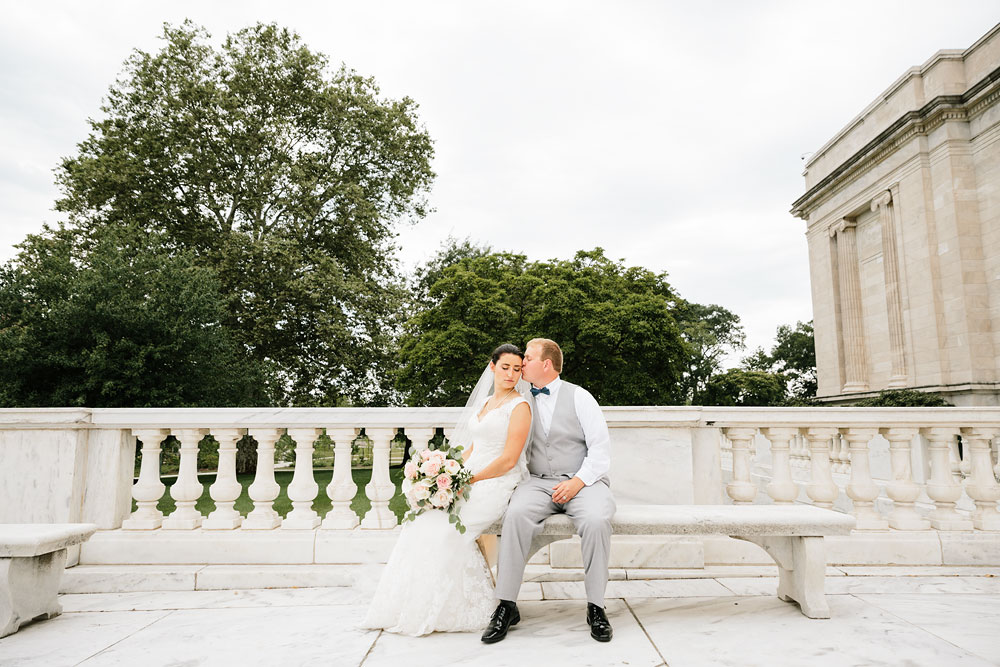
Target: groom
[(568, 457)]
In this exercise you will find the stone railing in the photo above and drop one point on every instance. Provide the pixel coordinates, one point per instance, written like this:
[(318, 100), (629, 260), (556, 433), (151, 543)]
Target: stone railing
[(899, 469)]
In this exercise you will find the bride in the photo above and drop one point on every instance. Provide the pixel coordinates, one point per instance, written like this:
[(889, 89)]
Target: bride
[(436, 579)]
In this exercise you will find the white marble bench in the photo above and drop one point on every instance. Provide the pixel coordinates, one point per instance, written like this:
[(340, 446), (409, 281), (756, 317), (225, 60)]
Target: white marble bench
[(791, 534), (32, 559)]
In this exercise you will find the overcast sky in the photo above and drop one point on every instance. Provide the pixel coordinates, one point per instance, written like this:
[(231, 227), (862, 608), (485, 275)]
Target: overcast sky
[(671, 134)]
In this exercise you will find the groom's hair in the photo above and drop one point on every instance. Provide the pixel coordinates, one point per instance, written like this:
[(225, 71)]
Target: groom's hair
[(550, 350)]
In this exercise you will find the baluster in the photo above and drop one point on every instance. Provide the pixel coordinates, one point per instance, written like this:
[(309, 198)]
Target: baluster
[(996, 457), (981, 485), (956, 460), (843, 454), (264, 489), (341, 489), (741, 489), (419, 437), (187, 489), (821, 489), (381, 489), (226, 489), (303, 489), (902, 489), (942, 487), (862, 490), (799, 452), (148, 489), (782, 489)]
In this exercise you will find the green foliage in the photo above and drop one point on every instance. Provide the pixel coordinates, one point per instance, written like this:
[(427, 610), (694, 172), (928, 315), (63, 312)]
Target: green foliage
[(117, 318), (903, 398), (792, 362), (616, 325), (737, 386), (284, 177), (710, 332), (794, 356)]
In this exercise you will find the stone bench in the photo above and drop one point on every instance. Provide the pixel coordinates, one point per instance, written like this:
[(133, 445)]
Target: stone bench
[(791, 534), (32, 559)]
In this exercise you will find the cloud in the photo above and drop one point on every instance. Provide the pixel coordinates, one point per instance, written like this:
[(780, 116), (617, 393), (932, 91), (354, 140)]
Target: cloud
[(668, 133)]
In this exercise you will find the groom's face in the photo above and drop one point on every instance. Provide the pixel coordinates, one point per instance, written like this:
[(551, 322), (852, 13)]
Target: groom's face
[(533, 366)]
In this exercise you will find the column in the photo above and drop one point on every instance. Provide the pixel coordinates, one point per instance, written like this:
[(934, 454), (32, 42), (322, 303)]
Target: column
[(782, 489), (862, 490), (381, 489), (893, 302), (821, 488), (741, 489), (187, 489), (303, 489), (226, 489), (341, 488), (902, 489), (981, 485), (264, 489), (942, 487), (853, 336), (148, 489)]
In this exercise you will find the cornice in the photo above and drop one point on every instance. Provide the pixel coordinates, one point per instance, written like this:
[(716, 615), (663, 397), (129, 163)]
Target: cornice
[(943, 108)]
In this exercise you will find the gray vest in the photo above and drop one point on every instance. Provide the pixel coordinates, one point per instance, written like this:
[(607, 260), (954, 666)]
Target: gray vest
[(562, 451)]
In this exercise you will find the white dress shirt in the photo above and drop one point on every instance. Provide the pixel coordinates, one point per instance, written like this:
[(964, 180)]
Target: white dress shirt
[(595, 429)]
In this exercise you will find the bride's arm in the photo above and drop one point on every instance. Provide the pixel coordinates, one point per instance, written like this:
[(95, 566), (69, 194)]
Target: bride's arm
[(517, 435), (466, 453)]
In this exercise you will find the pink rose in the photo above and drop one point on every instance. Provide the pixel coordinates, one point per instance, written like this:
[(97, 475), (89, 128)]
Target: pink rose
[(438, 455), (410, 470), (430, 468), (444, 482), (425, 454), (441, 499)]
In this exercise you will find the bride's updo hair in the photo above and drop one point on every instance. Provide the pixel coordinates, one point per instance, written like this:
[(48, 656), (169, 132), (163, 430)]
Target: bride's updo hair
[(506, 348)]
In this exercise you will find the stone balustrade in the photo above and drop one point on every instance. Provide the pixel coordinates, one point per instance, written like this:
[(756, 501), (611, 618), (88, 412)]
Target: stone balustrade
[(896, 470)]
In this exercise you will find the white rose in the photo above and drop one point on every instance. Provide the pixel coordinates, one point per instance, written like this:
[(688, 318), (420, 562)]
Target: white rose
[(452, 466), (441, 499), (422, 490)]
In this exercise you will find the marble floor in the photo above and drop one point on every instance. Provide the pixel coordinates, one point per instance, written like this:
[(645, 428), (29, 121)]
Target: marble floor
[(929, 616)]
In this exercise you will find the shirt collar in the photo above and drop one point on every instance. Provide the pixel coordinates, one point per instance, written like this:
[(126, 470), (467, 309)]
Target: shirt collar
[(553, 386)]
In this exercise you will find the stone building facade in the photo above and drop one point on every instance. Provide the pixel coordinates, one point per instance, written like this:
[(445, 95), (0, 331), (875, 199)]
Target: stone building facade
[(903, 225)]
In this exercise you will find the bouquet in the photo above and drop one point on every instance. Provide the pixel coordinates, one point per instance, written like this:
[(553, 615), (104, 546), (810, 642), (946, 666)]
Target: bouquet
[(435, 479)]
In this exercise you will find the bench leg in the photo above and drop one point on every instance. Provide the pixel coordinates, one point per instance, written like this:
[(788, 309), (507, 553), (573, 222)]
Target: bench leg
[(801, 570), (29, 588)]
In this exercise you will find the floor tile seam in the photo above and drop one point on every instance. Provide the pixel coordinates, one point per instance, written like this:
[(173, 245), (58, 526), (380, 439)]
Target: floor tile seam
[(663, 661), (920, 628), (731, 590), (371, 648), (129, 635)]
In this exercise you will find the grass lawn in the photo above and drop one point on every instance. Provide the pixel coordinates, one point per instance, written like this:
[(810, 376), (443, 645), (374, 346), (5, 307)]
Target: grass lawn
[(282, 504)]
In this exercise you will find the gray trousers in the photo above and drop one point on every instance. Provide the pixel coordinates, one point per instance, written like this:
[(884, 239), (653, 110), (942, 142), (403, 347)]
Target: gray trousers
[(590, 510)]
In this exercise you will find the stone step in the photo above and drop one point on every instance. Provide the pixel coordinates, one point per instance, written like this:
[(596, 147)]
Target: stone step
[(149, 578)]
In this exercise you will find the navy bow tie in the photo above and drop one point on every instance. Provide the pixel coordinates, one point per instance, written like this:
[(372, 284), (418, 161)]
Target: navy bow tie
[(535, 391)]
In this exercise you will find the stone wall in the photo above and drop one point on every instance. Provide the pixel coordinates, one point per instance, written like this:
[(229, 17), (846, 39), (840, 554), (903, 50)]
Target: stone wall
[(903, 228)]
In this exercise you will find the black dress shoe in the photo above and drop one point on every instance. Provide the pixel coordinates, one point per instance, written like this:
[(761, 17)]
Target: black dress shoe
[(506, 615), (600, 626)]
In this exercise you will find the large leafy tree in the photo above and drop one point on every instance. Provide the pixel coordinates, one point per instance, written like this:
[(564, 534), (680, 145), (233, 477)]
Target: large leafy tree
[(117, 319), (711, 332), (284, 176), (738, 386), (615, 323)]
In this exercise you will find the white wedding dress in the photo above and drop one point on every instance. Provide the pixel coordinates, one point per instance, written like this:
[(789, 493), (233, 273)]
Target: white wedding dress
[(436, 579)]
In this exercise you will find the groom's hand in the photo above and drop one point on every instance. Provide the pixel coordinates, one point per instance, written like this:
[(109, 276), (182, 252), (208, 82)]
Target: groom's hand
[(564, 491)]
